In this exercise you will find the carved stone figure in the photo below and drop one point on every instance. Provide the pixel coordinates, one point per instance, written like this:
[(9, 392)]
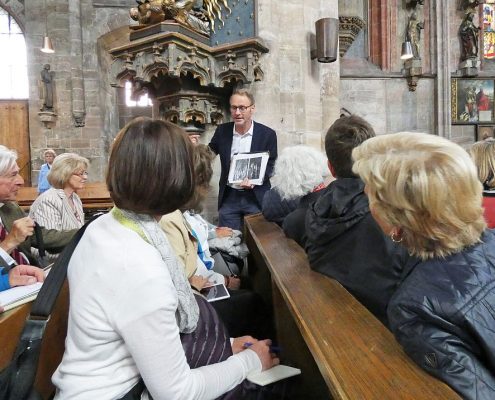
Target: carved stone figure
[(414, 33), (186, 12), (46, 88), (469, 38)]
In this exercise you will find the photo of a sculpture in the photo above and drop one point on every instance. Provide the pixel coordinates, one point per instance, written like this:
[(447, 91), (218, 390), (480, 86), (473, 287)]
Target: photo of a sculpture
[(195, 14)]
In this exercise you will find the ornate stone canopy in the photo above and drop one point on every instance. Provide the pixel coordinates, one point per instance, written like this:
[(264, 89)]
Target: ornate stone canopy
[(186, 76)]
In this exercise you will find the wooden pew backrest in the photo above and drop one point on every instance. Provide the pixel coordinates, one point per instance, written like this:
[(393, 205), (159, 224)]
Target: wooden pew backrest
[(53, 346), (94, 196), (357, 356)]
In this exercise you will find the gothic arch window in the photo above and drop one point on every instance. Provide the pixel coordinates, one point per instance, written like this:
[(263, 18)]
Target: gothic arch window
[(13, 68)]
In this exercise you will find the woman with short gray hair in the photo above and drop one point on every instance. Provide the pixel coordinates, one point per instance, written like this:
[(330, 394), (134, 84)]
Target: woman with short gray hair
[(424, 192)]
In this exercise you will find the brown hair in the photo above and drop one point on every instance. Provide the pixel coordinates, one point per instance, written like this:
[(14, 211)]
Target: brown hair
[(203, 171), (150, 169), (342, 137)]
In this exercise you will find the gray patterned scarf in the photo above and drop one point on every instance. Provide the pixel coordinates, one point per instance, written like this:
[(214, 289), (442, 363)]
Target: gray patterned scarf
[(149, 230)]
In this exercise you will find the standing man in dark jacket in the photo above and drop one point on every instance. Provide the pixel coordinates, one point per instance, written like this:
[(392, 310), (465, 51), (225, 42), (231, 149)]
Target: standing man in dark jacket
[(241, 136), (338, 232)]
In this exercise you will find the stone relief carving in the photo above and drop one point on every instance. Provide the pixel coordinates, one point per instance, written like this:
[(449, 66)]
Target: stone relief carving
[(169, 56), (186, 12)]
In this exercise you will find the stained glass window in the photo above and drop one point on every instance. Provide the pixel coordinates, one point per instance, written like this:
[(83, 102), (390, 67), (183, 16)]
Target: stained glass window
[(13, 68), (489, 30)]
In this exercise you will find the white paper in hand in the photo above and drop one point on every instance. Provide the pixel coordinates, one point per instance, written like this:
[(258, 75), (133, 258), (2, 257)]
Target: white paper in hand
[(274, 374)]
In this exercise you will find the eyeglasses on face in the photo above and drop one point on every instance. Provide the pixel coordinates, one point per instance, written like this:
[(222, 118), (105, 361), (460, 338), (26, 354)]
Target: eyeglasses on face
[(81, 174), (242, 109)]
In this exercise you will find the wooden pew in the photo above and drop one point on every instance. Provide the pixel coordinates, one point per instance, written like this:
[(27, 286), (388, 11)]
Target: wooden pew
[(344, 352), (94, 196), (52, 348)]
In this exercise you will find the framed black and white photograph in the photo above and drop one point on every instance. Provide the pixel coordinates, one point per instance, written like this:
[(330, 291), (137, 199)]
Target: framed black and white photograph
[(248, 165)]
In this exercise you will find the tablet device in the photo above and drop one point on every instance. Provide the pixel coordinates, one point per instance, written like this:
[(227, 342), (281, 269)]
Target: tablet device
[(215, 292)]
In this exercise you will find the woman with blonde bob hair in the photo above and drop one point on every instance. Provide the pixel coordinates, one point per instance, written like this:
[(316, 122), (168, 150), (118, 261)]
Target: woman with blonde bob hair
[(483, 154), (60, 207), (424, 192)]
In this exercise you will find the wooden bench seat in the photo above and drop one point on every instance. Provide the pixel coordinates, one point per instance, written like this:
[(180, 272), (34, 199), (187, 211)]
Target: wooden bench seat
[(94, 196), (343, 350)]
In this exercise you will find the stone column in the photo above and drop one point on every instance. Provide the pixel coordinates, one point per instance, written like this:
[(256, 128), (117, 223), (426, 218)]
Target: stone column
[(76, 72), (298, 97), (329, 78), (440, 30)]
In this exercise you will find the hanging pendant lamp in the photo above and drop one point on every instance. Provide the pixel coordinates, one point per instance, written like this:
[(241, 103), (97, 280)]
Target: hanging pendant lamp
[(47, 45)]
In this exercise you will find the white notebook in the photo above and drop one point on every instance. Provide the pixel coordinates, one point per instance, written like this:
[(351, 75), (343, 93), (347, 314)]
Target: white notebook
[(19, 295), (274, 374)]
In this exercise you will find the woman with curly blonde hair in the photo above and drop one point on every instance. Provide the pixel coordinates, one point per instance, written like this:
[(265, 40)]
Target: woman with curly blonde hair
[(424, 192), (483, 154)]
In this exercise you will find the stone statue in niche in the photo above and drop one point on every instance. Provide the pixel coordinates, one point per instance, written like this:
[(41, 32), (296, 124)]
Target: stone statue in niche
[(46, 92), (469, 38), (414, 33), (195, 14)]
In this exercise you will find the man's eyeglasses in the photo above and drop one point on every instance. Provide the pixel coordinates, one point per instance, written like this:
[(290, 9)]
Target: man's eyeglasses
[(81, 174), (242, 109)]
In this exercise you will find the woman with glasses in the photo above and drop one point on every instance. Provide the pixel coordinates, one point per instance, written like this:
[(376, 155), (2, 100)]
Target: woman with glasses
[(60, 207)]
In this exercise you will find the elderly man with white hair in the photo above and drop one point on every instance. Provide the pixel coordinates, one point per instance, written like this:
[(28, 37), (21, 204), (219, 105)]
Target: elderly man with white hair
[(16, 229)]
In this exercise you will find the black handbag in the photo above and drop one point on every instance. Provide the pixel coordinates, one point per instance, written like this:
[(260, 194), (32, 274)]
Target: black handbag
[(17, 379)]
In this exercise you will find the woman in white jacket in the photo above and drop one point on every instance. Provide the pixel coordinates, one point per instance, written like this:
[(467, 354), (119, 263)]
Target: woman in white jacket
[(129, 297)]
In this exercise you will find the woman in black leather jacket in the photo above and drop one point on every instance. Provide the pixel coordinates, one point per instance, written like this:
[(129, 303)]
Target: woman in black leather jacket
[(424, 192)]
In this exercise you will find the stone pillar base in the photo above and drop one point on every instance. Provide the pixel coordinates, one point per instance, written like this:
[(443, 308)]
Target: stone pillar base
[(469, 67)]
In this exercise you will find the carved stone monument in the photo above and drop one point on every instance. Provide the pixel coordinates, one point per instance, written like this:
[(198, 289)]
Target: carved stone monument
[(173, 61)]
